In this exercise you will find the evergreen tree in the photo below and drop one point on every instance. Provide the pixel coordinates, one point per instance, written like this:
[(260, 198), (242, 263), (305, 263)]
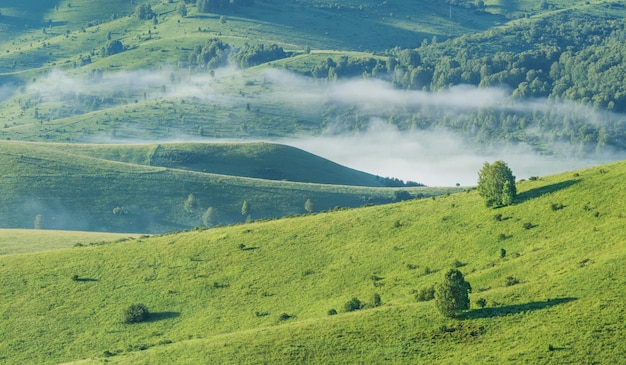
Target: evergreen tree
[(182, 8), (496, 184), (452, 295)]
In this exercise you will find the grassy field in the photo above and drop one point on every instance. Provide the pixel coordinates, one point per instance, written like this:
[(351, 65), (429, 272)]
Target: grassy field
[(143, 188), (16, 241), (261, 292)]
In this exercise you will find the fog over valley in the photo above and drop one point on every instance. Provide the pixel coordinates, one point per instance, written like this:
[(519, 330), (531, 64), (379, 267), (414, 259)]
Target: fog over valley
[(365, 124)]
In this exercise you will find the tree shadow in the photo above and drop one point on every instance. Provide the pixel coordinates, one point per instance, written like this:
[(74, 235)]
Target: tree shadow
[(160, 316), (84, 280), (537, 192), (513, 309)]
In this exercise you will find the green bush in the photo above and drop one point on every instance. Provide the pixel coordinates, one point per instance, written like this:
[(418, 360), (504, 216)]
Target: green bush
[(353, 305), (332, 312), (425, 294), (136, 313)]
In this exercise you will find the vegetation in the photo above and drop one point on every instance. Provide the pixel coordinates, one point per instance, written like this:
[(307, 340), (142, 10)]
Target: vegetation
[(496, 184), (57, 320), (136, 313), (452, 294)]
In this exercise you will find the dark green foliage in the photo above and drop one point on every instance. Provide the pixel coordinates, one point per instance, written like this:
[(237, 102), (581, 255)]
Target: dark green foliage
[(135, 313), (502, 253), (75, 277), (112, 47), (496, 184), (401, 195), (528, 225), (425, 294), (452, 295), (284, 316), (555, 206), (332, 312), (252, 55), (481, 302), (511, 280), (182, 9), (376, 301), (144, 11), (353, 305)]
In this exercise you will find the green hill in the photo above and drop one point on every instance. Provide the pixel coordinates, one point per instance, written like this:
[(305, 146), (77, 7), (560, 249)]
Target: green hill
[(16, 241), (261, 292), (143, 188)]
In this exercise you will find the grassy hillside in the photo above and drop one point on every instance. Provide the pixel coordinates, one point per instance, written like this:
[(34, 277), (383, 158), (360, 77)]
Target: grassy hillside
[(143, 188), (218, 296), (16, 241), (255, 160)]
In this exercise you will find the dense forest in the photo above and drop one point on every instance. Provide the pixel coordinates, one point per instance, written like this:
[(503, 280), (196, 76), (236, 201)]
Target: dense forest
[(565, 57)]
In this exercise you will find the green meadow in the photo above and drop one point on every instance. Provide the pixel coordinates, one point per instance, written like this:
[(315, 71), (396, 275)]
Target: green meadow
[(261, 292)]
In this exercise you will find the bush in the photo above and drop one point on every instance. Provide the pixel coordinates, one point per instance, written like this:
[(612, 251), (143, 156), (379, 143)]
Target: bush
[(482, 302), (511, 280), (353, 305), (376, 301), (502, 253), (136, 313), (425, 294), (284, 316), (528, 225), (332, 312)]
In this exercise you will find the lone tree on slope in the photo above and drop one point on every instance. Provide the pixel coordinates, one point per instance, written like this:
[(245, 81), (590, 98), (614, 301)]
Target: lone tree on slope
[(452, 295), (496, 184)]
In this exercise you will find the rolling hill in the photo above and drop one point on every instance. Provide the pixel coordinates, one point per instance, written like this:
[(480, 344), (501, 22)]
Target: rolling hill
[(143, 188), (262, 292)]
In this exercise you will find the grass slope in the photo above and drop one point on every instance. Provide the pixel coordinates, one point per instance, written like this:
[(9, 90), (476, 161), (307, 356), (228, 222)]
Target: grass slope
[(16, 241), (74, 191), (255, 160), (216, 301)]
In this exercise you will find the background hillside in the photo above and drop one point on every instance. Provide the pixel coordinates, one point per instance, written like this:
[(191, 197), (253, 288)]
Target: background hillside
[(147, 188), (219, 295)]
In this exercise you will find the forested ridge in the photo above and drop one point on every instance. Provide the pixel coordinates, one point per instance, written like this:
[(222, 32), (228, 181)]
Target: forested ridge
[(567, 57)]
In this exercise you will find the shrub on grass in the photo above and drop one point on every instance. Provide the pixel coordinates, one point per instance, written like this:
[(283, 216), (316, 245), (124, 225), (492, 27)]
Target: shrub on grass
[(425, 294), (284, 316), (332, 312), (376, 301), (528, 225), (452, 295), (482, 302), (136, 313), (511, 280), (353, 305)]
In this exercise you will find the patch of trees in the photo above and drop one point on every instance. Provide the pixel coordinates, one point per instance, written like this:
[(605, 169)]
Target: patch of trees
[(217, 54), (112, 47), (570, 56), (144, 11)]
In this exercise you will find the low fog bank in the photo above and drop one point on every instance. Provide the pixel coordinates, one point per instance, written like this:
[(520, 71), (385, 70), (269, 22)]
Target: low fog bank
[(434, 158)]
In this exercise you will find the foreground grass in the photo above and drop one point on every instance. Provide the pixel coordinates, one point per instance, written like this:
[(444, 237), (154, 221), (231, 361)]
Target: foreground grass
[(217, 296)]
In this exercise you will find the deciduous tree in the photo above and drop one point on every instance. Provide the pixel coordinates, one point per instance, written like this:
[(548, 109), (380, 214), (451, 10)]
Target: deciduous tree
[(496, 184), (452, 295)]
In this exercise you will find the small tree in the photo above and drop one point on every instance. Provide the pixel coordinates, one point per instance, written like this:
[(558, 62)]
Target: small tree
[(136, 313), (144, 11), (182, 8), (496, 184), (309, 206), (39, 221), (245, 208), (190, 204), (452, 295), (209, 218)]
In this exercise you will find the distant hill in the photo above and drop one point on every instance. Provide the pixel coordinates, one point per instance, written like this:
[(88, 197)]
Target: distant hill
[(144, 188), (549, 269)]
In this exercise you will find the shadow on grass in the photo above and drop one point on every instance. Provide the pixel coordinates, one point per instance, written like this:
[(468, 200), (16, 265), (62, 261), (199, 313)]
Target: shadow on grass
[(85, 279), (537, 192), (160, 316), (513, 309)]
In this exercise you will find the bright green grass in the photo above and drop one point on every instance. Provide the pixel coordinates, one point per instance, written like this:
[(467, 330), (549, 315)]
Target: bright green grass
[(216, 303), (14, 241)]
